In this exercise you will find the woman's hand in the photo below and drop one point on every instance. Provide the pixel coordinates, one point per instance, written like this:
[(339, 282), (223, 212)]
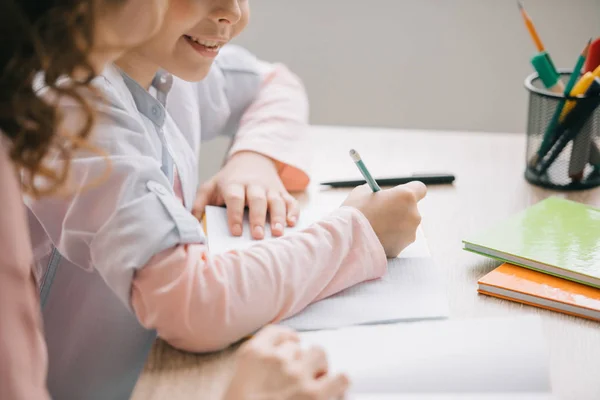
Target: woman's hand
[(273, 366)]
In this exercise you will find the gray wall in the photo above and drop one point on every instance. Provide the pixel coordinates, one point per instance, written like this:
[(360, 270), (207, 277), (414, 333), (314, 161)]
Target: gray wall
[(434, 64), (425, 64)]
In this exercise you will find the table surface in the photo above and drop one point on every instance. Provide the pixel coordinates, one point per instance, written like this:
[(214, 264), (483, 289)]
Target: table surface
[(489, 188)]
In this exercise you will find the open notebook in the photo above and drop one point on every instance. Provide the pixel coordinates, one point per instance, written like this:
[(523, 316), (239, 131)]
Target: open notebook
[(489, 358), (412, 289)]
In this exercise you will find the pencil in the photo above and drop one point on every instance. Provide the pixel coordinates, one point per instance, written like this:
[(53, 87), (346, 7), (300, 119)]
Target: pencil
[(364, 171), (530, 27)]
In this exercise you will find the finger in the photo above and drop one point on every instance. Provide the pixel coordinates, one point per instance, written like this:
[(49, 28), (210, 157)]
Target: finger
[(203, 197), (277, 212), (257, 203), (418, 188), (274, 335), (315, 361), (289, 350), (331, 386), (293, 210), (235, 200)]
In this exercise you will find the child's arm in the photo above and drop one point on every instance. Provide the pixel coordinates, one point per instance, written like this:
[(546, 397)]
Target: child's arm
[(276, 125), (200, 302), (263, 106)]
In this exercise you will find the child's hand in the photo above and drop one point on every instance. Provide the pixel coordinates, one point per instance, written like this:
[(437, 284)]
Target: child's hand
[(393, 213), (249, 179), (274, 366)]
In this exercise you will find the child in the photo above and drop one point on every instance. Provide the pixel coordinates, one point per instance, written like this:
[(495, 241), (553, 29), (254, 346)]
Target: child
[(136, 230)]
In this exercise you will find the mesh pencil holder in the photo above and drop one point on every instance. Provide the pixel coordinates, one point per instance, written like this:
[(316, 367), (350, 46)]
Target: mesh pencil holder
[(563, 152)]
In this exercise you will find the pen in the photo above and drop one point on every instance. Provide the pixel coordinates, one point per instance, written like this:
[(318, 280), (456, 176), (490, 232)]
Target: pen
[(364, 171), (550, 135), (427, 179)]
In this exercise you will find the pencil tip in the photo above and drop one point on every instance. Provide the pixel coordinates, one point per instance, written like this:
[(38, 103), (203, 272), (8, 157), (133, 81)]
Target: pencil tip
[(520, 5), (587, 48), (354, 155)]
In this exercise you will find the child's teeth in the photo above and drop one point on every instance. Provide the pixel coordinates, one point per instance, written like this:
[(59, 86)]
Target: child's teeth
[(206, 43)]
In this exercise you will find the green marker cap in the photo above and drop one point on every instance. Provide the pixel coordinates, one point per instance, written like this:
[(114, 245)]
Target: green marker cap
[(542, 64)]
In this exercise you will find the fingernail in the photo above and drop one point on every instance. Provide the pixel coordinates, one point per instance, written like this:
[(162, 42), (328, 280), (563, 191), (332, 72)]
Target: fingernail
[(278, 227), (292, 220), (259, 232), (236, 230)]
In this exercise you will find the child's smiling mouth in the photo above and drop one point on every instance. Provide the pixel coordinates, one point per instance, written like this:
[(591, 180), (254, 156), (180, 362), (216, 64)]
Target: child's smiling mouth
[(206, 47)]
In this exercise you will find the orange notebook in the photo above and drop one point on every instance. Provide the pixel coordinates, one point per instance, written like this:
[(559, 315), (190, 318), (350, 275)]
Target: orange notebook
[(534, 288)]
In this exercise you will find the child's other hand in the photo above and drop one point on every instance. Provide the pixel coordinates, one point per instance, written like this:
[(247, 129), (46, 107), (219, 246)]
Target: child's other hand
[(273, 365), (249, 179), (393, 213)]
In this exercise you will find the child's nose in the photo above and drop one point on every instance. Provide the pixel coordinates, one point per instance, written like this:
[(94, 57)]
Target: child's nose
[(226, 11)]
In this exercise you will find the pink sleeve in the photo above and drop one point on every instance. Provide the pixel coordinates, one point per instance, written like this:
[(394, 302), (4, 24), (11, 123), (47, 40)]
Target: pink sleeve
[(23, 358), (201, 303), (276, 125)]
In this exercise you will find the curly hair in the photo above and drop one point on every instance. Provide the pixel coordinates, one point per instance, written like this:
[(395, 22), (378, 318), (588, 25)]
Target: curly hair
[(44, 42)]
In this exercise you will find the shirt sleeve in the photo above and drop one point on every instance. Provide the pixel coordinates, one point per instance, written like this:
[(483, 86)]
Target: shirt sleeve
[(23, 356), (118, 209), (276, 125), (201, 302)]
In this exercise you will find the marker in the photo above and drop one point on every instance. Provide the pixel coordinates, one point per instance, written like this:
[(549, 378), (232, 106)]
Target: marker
[(593, 59), (569, 130), (578, 90), (364, 171), (550, 136), (548, 75)]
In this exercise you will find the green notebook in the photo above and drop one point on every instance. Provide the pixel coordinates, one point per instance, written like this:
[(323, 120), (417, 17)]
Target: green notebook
[(556, 236)]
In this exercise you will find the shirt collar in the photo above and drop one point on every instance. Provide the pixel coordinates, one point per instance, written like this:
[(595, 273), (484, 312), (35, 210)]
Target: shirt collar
[(149, 106)]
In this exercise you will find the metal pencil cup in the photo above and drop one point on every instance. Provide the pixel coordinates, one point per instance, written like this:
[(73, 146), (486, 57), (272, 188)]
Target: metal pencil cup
[(573, 161)]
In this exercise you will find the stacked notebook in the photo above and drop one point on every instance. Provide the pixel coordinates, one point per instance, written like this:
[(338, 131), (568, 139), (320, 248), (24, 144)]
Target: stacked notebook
[(552, 257)]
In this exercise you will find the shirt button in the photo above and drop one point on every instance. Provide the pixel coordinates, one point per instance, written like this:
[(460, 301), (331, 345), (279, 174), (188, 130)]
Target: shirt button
[(157, 187), (154, 110)]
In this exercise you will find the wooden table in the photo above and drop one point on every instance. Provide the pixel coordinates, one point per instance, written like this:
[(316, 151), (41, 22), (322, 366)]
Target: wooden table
[(489, 188)]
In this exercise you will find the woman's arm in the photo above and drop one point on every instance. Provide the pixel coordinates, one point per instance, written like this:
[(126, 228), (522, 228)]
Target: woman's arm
[(23, 357)]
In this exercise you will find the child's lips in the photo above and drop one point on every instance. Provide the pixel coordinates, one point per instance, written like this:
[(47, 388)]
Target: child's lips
[(206, 48)]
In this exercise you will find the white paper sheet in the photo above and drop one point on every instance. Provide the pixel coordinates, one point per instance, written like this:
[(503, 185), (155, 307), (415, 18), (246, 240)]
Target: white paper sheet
[(470, 396), (412, 289), (220, 239), (471, 356)]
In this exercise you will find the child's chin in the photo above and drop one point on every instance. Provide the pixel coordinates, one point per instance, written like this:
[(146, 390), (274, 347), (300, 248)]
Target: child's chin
[(192, 74)]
